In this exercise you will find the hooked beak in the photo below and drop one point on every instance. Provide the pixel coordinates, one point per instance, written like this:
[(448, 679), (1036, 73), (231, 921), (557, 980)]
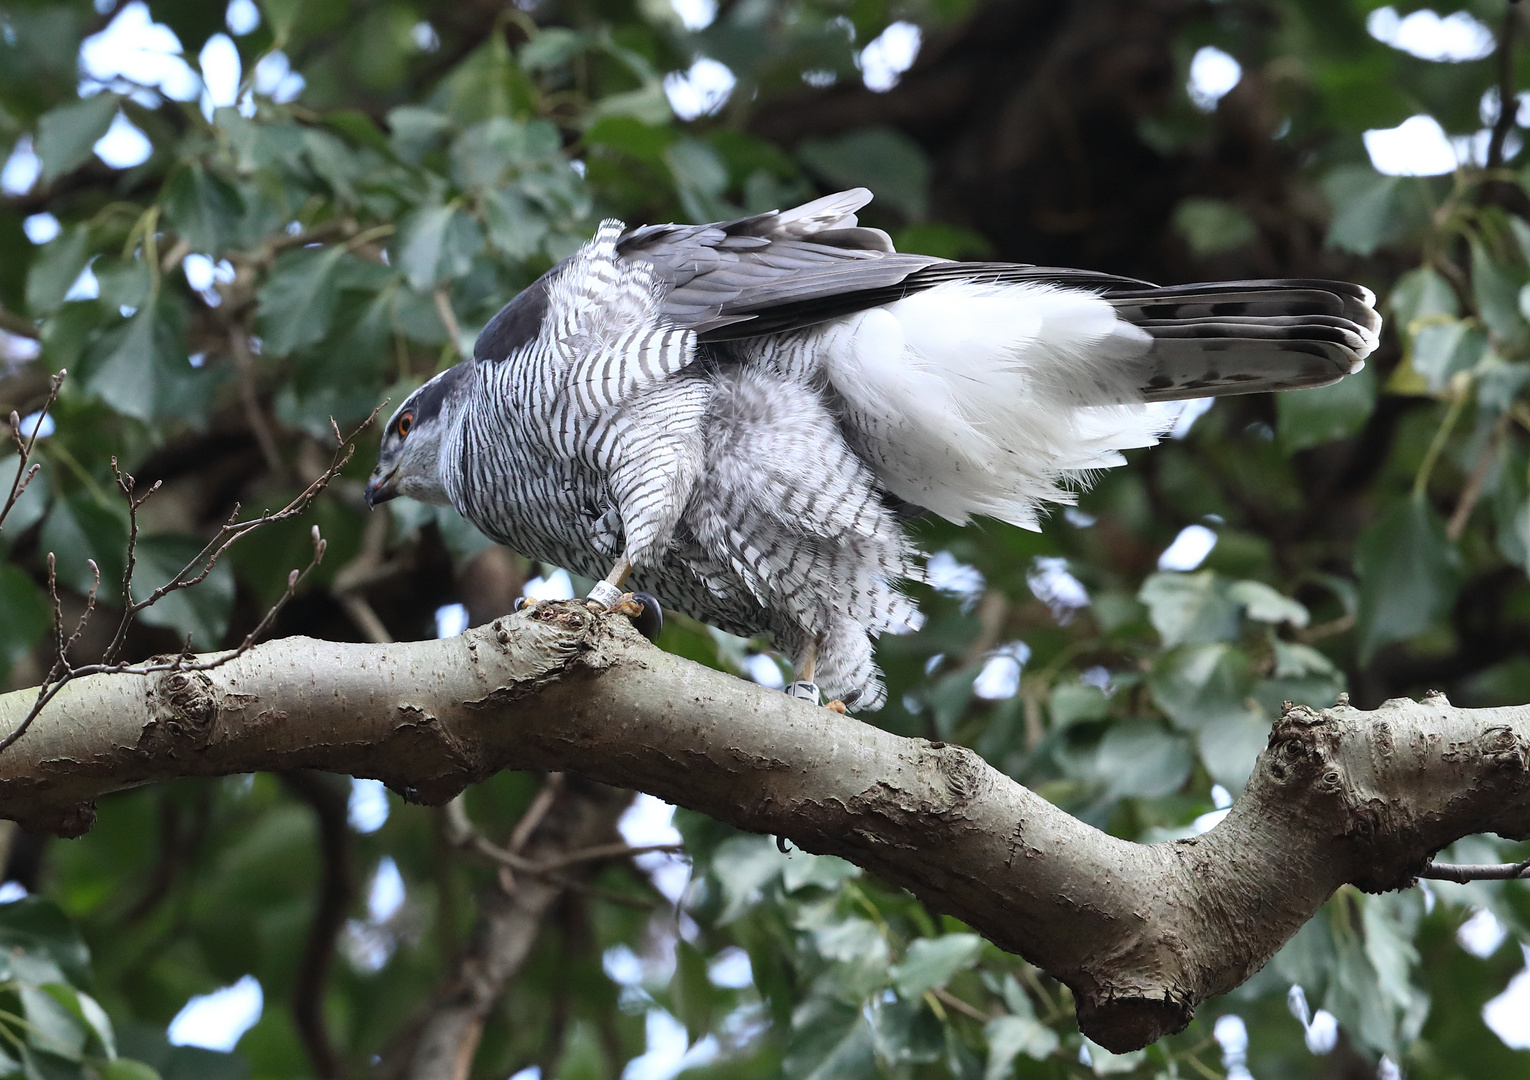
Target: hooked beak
[(380, 488)]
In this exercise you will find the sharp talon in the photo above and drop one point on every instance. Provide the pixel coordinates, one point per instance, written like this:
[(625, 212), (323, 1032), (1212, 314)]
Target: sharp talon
[(782, 846), (836, 706), (649, 620), (523, 602)]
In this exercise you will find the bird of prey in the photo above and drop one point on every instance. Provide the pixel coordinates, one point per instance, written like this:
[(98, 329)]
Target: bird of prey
[(738, 417)]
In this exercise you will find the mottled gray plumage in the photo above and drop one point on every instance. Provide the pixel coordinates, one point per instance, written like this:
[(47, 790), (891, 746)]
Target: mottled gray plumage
[(740, 410)]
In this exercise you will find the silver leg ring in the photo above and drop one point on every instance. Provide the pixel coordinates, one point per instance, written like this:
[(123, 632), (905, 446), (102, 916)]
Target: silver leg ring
[(605, 594), (803, 691)]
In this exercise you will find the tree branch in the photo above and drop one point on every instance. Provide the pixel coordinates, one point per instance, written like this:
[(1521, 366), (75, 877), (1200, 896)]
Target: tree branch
[(328, 798), (509, 920), (1141, 933)]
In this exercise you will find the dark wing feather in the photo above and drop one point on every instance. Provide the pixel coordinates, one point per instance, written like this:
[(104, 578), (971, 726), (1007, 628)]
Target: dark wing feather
[(780, 271)]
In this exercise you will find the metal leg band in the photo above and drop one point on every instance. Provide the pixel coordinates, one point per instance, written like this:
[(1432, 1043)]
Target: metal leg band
[(803, 691), (605, 594)]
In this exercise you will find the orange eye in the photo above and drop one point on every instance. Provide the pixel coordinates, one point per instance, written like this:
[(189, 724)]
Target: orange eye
[(405, 422)]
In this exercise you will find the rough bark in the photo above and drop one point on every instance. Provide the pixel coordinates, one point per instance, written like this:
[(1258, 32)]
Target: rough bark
[(1141, 933)]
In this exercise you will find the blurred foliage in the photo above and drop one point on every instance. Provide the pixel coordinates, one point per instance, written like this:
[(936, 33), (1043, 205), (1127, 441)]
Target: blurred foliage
[(299, 252)]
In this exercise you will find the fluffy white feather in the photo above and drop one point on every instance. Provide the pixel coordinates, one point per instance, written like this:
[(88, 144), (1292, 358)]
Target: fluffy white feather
[(991, 399)]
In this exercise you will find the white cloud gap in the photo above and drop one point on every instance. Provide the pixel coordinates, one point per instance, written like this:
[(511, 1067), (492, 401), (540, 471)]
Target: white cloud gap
[(892, 52), (1189, 548), (123, 146), (1213, 73), (367, 809), (1428, 35), (700, 91), (216, 1021)]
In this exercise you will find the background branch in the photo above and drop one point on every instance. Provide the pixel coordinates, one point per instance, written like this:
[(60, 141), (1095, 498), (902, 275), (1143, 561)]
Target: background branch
[(327, 796)]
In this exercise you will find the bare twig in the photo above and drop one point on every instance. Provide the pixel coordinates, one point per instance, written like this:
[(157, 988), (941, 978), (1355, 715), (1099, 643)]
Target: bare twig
[(244, 361), (366, 568), (464, 834), (1507, 99), (1464, 872), (24, 472), (449, 319), (535, 812), (956, 1004), (191, 575), (445, 1040), (1473, 490), (15, 324)]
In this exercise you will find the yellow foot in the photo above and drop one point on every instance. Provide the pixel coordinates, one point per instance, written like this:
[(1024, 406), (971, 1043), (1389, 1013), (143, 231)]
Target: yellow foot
[(836, 706), (628, 605)]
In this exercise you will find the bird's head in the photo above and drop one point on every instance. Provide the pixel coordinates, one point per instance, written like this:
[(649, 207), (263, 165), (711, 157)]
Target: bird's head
[(409, 460)]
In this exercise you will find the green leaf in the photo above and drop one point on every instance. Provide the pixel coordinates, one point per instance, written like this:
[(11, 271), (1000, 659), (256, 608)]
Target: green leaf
[(1308, 418), (1199, 684), (67, 135), (1010, 1036), (87, 1013), (700, 178), (416, 131), (485, 154), (1071, 703), (1104, 1063), (202, 611), (78, 529), (1369, 210), (514, 225), (829, 1041), (743, 867), (553, 45), (905, 1033), (283, 15), (886, 161), (1409, 575), (1497, 288), (1293, 660), (37, 929), (435, 244), (1211, 226), (1141, 759), (26, 615), (56, 268), (1189, 608), (1263, 604), (803, 869), (297, 302), (204, 208), (931, 962), (694, 996), (1422, 294), (123, 1069), (1230, 744), (1445, 346), (140, 368), (52, 1026)]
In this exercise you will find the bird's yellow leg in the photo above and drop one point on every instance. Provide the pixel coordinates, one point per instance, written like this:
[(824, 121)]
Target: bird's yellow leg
[(605, 595), (804, 688)]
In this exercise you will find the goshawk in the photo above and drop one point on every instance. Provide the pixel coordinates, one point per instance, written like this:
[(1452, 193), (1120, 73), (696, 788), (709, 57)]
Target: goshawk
[(737, 417)]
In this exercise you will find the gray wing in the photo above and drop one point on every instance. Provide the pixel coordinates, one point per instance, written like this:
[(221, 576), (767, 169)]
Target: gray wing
[(787, 269)]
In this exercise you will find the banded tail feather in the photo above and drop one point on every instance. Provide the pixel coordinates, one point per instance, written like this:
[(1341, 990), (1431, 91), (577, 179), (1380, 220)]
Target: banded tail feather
[(1245, 337)]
